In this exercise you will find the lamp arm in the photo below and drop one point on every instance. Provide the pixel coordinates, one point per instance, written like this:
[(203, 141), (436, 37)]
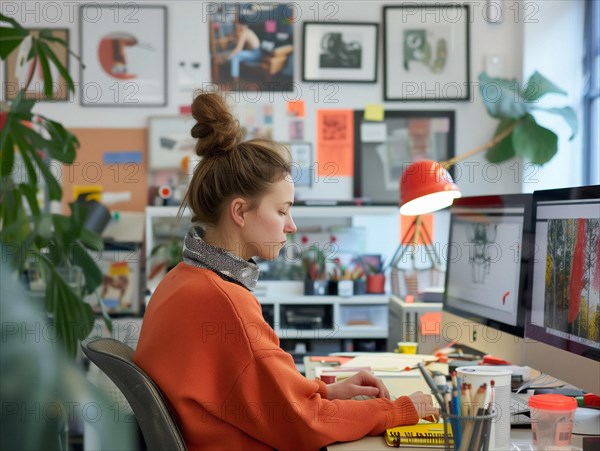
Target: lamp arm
[(492, 142)]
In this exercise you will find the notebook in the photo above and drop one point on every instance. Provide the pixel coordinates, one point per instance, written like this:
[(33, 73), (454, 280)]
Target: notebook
[(429, 435)]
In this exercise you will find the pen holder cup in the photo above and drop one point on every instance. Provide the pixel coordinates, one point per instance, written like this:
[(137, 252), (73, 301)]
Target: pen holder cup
[(469, 433)]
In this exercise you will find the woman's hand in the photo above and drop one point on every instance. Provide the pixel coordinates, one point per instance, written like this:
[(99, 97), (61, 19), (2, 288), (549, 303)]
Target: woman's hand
[(362, 383), (424, 404)]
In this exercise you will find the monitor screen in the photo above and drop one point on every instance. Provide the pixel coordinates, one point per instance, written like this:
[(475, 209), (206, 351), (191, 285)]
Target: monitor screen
[(565, 303), (487, 260)]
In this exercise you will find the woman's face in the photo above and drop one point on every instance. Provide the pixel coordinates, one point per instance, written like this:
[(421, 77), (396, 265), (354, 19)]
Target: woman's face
[(267, 226)]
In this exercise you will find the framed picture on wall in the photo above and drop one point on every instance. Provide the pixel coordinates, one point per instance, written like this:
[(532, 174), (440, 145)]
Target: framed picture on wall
[(426, 52), (302, 160), (124, 49), (17, 75), (340, 52), (383, 149), (169, 141), (252, 46)]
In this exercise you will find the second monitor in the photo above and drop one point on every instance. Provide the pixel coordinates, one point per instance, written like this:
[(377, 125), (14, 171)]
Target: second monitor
[(486, 274)]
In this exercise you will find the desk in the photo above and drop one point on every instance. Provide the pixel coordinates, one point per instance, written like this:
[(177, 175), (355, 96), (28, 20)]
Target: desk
[(521, 437), (399, 386)]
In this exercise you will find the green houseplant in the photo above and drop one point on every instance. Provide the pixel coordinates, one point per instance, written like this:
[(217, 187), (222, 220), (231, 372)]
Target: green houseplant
[(30, 233), (518, 133)]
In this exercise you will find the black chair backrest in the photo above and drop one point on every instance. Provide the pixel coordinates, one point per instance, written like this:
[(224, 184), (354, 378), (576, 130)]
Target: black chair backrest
[(115, 359)]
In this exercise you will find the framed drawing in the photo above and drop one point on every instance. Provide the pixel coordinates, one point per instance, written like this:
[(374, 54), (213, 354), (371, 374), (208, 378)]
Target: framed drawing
[(302, 160), (252, 46), (169, 140), (426, 52), (340, 52), (383, 149), (124, 49), (16, 76)]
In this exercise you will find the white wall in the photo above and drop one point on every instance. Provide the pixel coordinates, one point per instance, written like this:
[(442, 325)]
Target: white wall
[(188, 41)]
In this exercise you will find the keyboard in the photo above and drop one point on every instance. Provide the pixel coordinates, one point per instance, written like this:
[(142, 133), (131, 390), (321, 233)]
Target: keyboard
[(518, 403)]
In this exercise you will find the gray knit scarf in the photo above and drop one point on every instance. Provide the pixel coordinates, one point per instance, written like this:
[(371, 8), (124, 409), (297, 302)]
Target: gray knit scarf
[(198, 253)]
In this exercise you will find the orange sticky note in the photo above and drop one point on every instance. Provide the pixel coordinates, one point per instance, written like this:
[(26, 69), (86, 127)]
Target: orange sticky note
[(407, 226), (430, 323), (295, 108), (374, 112)]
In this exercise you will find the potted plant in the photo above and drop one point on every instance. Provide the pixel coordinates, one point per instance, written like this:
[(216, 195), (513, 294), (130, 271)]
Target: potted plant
[(315, 269), (30, 233), (347, 280), (518, 134)]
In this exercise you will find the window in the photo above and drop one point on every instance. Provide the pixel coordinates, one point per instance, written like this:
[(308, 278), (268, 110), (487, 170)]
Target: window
[(591, 101)]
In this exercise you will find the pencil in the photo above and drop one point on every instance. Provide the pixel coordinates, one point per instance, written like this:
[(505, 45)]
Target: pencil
[(485, 439), (477, 410)]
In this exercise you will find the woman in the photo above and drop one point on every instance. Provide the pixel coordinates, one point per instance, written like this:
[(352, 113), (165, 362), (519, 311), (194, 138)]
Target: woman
[(204, 340)]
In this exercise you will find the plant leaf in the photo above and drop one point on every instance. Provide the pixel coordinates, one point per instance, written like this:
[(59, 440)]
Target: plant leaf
[(30, 192), (534, 142), (22, 106), (502, 97), (503, 150), (32, 178), (7, 150), (568, 114), (54, 188), (93, 275), (43, 59), (65, 143), (62, 70), (74, 318), (91, 240), (11, 38), (538, 86)]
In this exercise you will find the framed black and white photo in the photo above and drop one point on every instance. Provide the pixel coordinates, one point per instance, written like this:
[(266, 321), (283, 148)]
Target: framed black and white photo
[(340, 52), (426, 52), (383, 149), (124, 49)]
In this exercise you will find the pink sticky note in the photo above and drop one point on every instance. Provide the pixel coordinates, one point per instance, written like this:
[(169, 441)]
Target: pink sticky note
[(270, 26)]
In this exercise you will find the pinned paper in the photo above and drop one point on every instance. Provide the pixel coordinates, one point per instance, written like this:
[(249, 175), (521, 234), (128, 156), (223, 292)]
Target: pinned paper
[(335, 143), (374, 112), (423, 235), (295, 108), (430, 323)]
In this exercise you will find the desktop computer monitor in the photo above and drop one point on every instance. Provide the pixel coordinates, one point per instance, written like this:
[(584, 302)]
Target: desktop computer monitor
[(563, 323), (486, 274)]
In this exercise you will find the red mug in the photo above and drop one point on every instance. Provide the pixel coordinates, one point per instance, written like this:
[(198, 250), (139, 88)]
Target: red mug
[(376, 283)]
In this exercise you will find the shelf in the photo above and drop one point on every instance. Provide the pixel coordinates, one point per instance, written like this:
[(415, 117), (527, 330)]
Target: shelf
[(370, 299), (298, 211)]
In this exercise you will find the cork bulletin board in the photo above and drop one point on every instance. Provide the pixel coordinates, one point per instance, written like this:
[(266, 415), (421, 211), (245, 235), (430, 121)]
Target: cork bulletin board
[(114, 158)]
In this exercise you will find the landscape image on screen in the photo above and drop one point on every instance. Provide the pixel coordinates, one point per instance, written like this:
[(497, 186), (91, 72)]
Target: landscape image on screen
[(572, 278)]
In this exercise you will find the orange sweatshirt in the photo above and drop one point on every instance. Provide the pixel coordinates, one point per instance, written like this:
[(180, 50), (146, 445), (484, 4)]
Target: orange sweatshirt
[(205, 343)]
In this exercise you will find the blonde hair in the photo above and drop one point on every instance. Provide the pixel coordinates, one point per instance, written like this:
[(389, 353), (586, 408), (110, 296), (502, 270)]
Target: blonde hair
[(230, 167)]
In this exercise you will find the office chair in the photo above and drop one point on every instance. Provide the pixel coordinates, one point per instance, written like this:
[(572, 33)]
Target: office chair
[(158, 427)]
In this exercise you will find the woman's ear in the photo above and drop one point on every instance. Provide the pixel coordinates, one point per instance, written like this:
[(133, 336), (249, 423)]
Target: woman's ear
[(237, 210)]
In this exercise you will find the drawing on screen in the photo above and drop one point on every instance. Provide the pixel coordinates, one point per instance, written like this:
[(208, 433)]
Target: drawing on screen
[(480, 237), (572, 277)]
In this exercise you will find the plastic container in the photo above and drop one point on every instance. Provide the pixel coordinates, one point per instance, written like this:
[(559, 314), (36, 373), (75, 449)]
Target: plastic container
[(552, 420)]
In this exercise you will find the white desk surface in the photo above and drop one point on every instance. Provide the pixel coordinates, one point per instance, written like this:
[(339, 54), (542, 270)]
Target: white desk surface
[(520, 437), (399, 386)]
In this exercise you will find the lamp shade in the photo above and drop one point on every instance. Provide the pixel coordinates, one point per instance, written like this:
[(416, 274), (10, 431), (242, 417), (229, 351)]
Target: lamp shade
[(426, 186)]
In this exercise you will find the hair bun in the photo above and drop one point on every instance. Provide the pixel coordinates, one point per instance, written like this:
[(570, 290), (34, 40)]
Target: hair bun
[(217, 131)]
